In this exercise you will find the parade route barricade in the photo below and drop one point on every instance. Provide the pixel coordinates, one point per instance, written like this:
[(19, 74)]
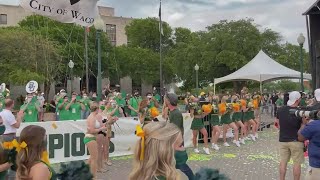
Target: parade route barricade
[(65, 138)]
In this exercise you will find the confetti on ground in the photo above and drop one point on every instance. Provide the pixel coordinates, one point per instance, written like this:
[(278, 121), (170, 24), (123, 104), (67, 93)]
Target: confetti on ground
[(260, 156), (54, 125), (200, 157), (229, 155), (122, 157)]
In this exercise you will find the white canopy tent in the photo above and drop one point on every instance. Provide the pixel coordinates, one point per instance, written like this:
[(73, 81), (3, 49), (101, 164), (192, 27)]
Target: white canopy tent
[(261, 68)]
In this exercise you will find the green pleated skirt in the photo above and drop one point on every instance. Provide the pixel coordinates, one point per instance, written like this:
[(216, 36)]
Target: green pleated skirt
[(236, 116), (214, 120), (197, 124), (226, 119)]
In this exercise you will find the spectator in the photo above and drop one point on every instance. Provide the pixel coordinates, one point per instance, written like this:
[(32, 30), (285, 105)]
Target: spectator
[(274, 99), (41, 101), (311, 132), (10, 122), (86, 102), (316, 104), (289, 146), (156, 163), (52, 106)]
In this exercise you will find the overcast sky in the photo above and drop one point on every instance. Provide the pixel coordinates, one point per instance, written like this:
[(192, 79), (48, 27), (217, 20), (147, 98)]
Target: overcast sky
[(284, 16)]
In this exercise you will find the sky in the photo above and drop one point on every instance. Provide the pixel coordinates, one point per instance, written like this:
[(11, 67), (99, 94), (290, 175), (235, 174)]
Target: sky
[(283, 16)]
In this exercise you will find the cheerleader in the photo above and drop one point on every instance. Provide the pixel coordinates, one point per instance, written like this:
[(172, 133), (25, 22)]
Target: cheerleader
[(256, 108), (198, 126), (237, 116), (215, 122), (144, 113), (248, 116), (225, 113)]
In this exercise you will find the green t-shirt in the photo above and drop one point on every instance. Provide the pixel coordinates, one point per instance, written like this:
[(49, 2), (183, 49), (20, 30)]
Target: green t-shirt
[(303, 102), (176, 118), (63, 113), (86, 103), (2, 104), (116, 113), (30, 112), (158, 97), (75, 111), (121, 102), (134, 102), (279, 102)]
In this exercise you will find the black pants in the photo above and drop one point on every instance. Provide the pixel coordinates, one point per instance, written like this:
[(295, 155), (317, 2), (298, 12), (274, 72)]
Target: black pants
[(187, 171)]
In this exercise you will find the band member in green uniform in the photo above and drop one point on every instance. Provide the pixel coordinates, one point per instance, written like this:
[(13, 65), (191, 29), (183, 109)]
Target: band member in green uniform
[(133, 104), (63, 113), (30, 109), (30, 159), (121, 102), (75, 107), (86, 102), (237, 116), (153, 101), (215, 122), (225, 112), (198, 126)]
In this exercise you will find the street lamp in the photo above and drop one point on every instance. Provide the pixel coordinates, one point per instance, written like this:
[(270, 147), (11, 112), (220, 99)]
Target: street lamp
[(301, 39), (196, 67), (99, 25), (71, 66)]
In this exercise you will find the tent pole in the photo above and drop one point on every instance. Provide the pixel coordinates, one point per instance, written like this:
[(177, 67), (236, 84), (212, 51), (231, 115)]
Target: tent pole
[(260, 85), (214, 89)]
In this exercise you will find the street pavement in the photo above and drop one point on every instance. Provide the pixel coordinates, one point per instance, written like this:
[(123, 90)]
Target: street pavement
[(253, 161)]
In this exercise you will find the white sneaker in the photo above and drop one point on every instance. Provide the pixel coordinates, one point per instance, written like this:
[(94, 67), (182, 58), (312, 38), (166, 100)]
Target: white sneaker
[(226, 144), (206, 150), (242, 141), (196, 150), (238, 143), (256, 136), (247, 138), (215, 147), (252, 137)]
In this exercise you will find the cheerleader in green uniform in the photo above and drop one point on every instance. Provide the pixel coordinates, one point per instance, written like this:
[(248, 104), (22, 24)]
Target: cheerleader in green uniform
[(225, 111), (248, 117), (198, 126), (215, 122), (237, 116)]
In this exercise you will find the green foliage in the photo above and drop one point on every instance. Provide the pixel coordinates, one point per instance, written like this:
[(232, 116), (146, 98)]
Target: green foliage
[(145, 33), (283, 85)]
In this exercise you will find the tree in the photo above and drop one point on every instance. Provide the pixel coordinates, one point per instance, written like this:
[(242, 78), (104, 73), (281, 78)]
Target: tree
[(145, 33)]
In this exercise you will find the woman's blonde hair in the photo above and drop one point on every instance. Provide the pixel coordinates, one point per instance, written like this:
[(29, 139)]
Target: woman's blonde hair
[(34, 137), (159, 153), (143, 104), (94, 106)]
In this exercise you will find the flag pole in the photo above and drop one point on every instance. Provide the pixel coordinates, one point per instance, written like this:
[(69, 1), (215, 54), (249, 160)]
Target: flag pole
[(160, 28), (86, 57)]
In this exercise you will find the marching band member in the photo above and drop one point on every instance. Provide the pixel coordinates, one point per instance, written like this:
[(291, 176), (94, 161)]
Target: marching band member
[(225, 112), (31, 107), (237, 116), (215, 122), (75, 107), (86, 102), (197, 126)]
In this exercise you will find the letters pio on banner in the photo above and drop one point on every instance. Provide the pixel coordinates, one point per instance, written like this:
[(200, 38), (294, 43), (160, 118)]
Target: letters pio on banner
[(32, 87)]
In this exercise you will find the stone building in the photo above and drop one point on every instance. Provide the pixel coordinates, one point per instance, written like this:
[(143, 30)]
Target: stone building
[(11, 15)]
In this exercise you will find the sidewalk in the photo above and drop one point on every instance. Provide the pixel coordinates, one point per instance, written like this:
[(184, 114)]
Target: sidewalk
[(253, 161)]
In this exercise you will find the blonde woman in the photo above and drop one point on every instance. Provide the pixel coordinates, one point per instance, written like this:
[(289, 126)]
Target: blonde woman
[(198, 126), (237, 116), (151, 160), (225, 112), (109, 115), (33, 144), (90, 139)]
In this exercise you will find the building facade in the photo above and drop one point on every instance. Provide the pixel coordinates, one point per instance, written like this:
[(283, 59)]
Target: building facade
[(11, 15)]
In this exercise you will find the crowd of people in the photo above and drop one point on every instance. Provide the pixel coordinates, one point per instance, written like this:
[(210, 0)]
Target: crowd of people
[(25, 157)]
